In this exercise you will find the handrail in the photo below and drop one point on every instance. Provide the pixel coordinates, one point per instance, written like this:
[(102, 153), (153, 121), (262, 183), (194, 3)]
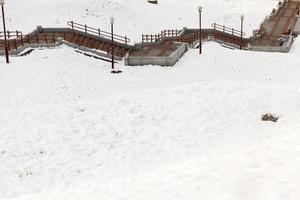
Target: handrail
[(163, 34), (228, 30), (10, 34), (98, 32)]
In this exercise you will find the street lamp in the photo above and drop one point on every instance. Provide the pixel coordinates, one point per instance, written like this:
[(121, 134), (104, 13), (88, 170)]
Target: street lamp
[(242, 23), (112, 20), (2, 2), (200, 29)]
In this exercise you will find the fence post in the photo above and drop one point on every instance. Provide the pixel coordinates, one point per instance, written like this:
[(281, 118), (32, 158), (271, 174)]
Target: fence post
[(99, 32), (232, 31), (72, 24), (126, 40), (85, 28), (223, 29), (151, 37), (8, 34)]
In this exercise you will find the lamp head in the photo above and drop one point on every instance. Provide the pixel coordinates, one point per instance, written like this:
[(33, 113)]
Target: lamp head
[(2, 2), (200, 9), (112, 20)]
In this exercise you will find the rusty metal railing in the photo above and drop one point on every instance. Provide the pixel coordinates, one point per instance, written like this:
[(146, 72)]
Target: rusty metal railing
[(157, 37), (11, 34), (227, 30), (98, 32)]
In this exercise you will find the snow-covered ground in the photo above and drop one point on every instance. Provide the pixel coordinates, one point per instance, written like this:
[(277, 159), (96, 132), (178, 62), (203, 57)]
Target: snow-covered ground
[(134, 17), (71, 130)]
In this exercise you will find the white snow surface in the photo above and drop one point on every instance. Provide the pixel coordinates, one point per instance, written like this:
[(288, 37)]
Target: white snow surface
[(134, 17), (71, 130)]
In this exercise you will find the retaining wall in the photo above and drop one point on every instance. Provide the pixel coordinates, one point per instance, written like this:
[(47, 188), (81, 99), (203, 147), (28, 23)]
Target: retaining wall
[(285, 48), (157, 60), (59, 42)]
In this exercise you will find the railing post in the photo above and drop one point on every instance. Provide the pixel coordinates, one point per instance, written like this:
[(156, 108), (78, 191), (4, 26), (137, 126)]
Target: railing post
[(232, 32), (22, 39), (8, 34), (223, 29), (8, 45), (151, 37), (99, 32), (72, 24), (38, 39), (85, 28), (126, 40)]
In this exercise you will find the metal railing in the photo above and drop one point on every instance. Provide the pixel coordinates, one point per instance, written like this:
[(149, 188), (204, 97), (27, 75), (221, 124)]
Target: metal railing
[(11, 34), (98, 32), (159, 36), (227, 30)]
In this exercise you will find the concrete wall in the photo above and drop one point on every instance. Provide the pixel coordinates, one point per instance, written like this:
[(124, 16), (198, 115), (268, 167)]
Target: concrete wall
[(59, 42), (157, 60), (285, 48), (32, 45), (296, 30)]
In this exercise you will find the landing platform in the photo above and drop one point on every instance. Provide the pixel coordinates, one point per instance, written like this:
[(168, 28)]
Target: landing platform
[(276, 28), (166, 53)]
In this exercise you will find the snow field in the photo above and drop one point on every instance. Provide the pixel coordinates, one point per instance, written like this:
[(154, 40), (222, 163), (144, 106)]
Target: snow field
[(188, 132), (138, 17), (70, 129)]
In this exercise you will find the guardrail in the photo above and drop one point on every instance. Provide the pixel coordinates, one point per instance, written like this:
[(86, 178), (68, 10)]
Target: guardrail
[(10, 34), (98, 32), (227, 30), (157, 37)]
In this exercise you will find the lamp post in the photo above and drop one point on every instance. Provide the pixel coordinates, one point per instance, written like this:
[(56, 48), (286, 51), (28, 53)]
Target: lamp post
[(112, 20), (2, 2), (200, 29), (242, 23)]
